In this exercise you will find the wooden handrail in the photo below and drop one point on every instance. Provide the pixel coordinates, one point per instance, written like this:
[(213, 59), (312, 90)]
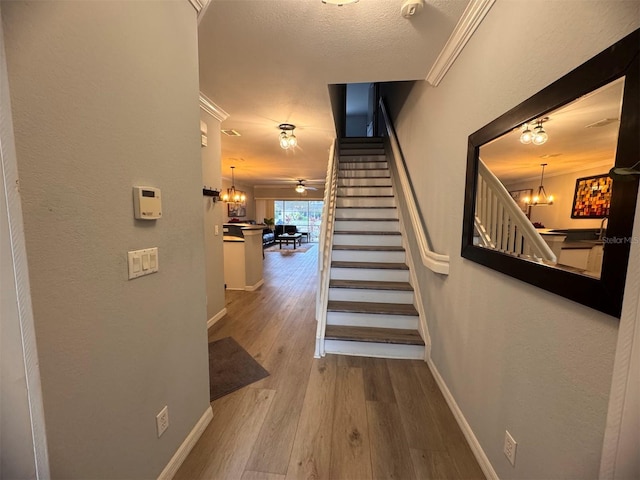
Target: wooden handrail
[(435, 262), (502, 225)]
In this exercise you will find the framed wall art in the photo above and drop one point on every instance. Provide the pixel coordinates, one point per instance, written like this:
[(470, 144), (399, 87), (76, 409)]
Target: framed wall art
[(521, 197), (237, 209), (592, 198)]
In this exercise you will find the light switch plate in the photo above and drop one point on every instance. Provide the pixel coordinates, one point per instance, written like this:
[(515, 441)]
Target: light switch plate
[(142, 262)]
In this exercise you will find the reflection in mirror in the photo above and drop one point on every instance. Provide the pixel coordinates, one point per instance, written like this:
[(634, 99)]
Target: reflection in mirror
[(543, 193)]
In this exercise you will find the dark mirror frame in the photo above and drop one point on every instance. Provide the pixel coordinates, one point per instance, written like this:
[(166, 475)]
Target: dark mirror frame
[(604, 294)]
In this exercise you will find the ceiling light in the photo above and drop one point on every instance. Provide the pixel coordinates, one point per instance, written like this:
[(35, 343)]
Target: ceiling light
[(538, 136), (287, 138), (232, 195), (540, 198), (339, 2), (526, 136), (300, 188)]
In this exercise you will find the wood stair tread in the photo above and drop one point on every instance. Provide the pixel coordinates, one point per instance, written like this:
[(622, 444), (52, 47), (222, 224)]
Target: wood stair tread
[(371, 265), (376, 335), (369, 248), (371, 284)]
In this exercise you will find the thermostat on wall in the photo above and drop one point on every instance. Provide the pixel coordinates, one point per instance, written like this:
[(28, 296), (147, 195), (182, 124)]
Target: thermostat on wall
[(146, 203)]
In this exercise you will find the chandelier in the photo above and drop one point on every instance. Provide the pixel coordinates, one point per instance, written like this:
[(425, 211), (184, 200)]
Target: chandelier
[(541, 197), (287, 138), (233, 195)]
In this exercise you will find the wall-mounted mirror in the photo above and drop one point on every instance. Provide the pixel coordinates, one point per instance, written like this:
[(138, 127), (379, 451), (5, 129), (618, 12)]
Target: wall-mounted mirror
[(539, 204)]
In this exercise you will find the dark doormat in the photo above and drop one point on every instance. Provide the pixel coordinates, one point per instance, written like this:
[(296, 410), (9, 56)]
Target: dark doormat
[(230, 368)]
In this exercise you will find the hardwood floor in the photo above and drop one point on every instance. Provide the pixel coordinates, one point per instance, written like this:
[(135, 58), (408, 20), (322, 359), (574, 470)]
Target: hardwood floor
[(332, 418)]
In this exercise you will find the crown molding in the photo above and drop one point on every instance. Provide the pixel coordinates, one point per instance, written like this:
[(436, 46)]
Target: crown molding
[(467, 25), (212, 109)]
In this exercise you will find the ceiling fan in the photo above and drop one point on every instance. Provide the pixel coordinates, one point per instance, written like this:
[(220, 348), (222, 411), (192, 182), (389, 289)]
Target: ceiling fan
[(301, 187)]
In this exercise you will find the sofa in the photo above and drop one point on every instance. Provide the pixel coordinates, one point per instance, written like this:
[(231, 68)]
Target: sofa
[(280, 229), (268, 237)]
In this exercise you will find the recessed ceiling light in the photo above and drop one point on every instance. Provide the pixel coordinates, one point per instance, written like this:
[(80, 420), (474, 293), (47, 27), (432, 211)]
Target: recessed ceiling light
[(231, 133), (339, 2)]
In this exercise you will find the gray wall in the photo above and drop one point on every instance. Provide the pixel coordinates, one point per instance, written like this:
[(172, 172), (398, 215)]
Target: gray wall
[(17, 459), (105, 96), (214, 214), (514, 357)]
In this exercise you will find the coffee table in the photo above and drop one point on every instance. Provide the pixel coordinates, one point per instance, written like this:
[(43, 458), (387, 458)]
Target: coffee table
[(295, 238)]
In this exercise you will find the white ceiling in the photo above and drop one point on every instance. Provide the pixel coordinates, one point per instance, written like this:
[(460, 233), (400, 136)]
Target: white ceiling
[(267, 62), (571, 147)]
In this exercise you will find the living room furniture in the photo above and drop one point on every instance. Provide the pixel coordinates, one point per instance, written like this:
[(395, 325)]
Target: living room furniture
[(295, 238), (282, 229), (243, 256), (268, 237)]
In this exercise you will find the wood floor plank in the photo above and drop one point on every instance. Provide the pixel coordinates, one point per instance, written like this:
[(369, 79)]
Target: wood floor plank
[(434, 465), (351, 454), (377, 384), (252, 475), (311, 454), (390, 457), (273, 447), (226, 456), (421, 428), (453, 439)]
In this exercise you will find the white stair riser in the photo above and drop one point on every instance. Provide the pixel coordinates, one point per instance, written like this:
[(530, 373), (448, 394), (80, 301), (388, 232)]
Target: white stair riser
[(372, 320), (372, 240), (366, 213), (367, 256), (366, 202), (363, 173), (365, 191), (375, 274), (366, 225), (368, 349), (355, 182), (361, 165), (370, 295)]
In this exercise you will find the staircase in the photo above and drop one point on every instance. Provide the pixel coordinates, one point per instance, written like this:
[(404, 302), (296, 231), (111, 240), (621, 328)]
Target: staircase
[(370, 309)]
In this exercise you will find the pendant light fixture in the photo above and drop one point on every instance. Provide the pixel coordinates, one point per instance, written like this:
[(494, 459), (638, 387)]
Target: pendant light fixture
[(538, 136), (232, 195), (287, 138), (540, 198)]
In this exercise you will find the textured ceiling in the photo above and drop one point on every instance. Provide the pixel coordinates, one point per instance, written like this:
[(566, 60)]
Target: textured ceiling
[(572, 146), (267, 62)]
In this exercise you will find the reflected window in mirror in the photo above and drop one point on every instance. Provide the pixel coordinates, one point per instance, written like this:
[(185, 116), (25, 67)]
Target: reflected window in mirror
[(539, 203)]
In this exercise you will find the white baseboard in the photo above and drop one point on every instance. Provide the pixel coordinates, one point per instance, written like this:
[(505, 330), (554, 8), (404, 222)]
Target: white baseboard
[(216, 317), (253, 288), (477, 450), (186, 447)]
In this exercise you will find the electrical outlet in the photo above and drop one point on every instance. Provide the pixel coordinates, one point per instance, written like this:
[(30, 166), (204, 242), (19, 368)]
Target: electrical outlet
[(510, 447), (162, 420)]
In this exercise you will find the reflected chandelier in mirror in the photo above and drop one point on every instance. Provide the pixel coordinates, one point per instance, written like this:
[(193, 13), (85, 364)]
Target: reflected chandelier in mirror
[(562, 236)]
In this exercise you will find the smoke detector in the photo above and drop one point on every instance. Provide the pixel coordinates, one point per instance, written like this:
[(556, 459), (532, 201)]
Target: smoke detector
[(411, 7)]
